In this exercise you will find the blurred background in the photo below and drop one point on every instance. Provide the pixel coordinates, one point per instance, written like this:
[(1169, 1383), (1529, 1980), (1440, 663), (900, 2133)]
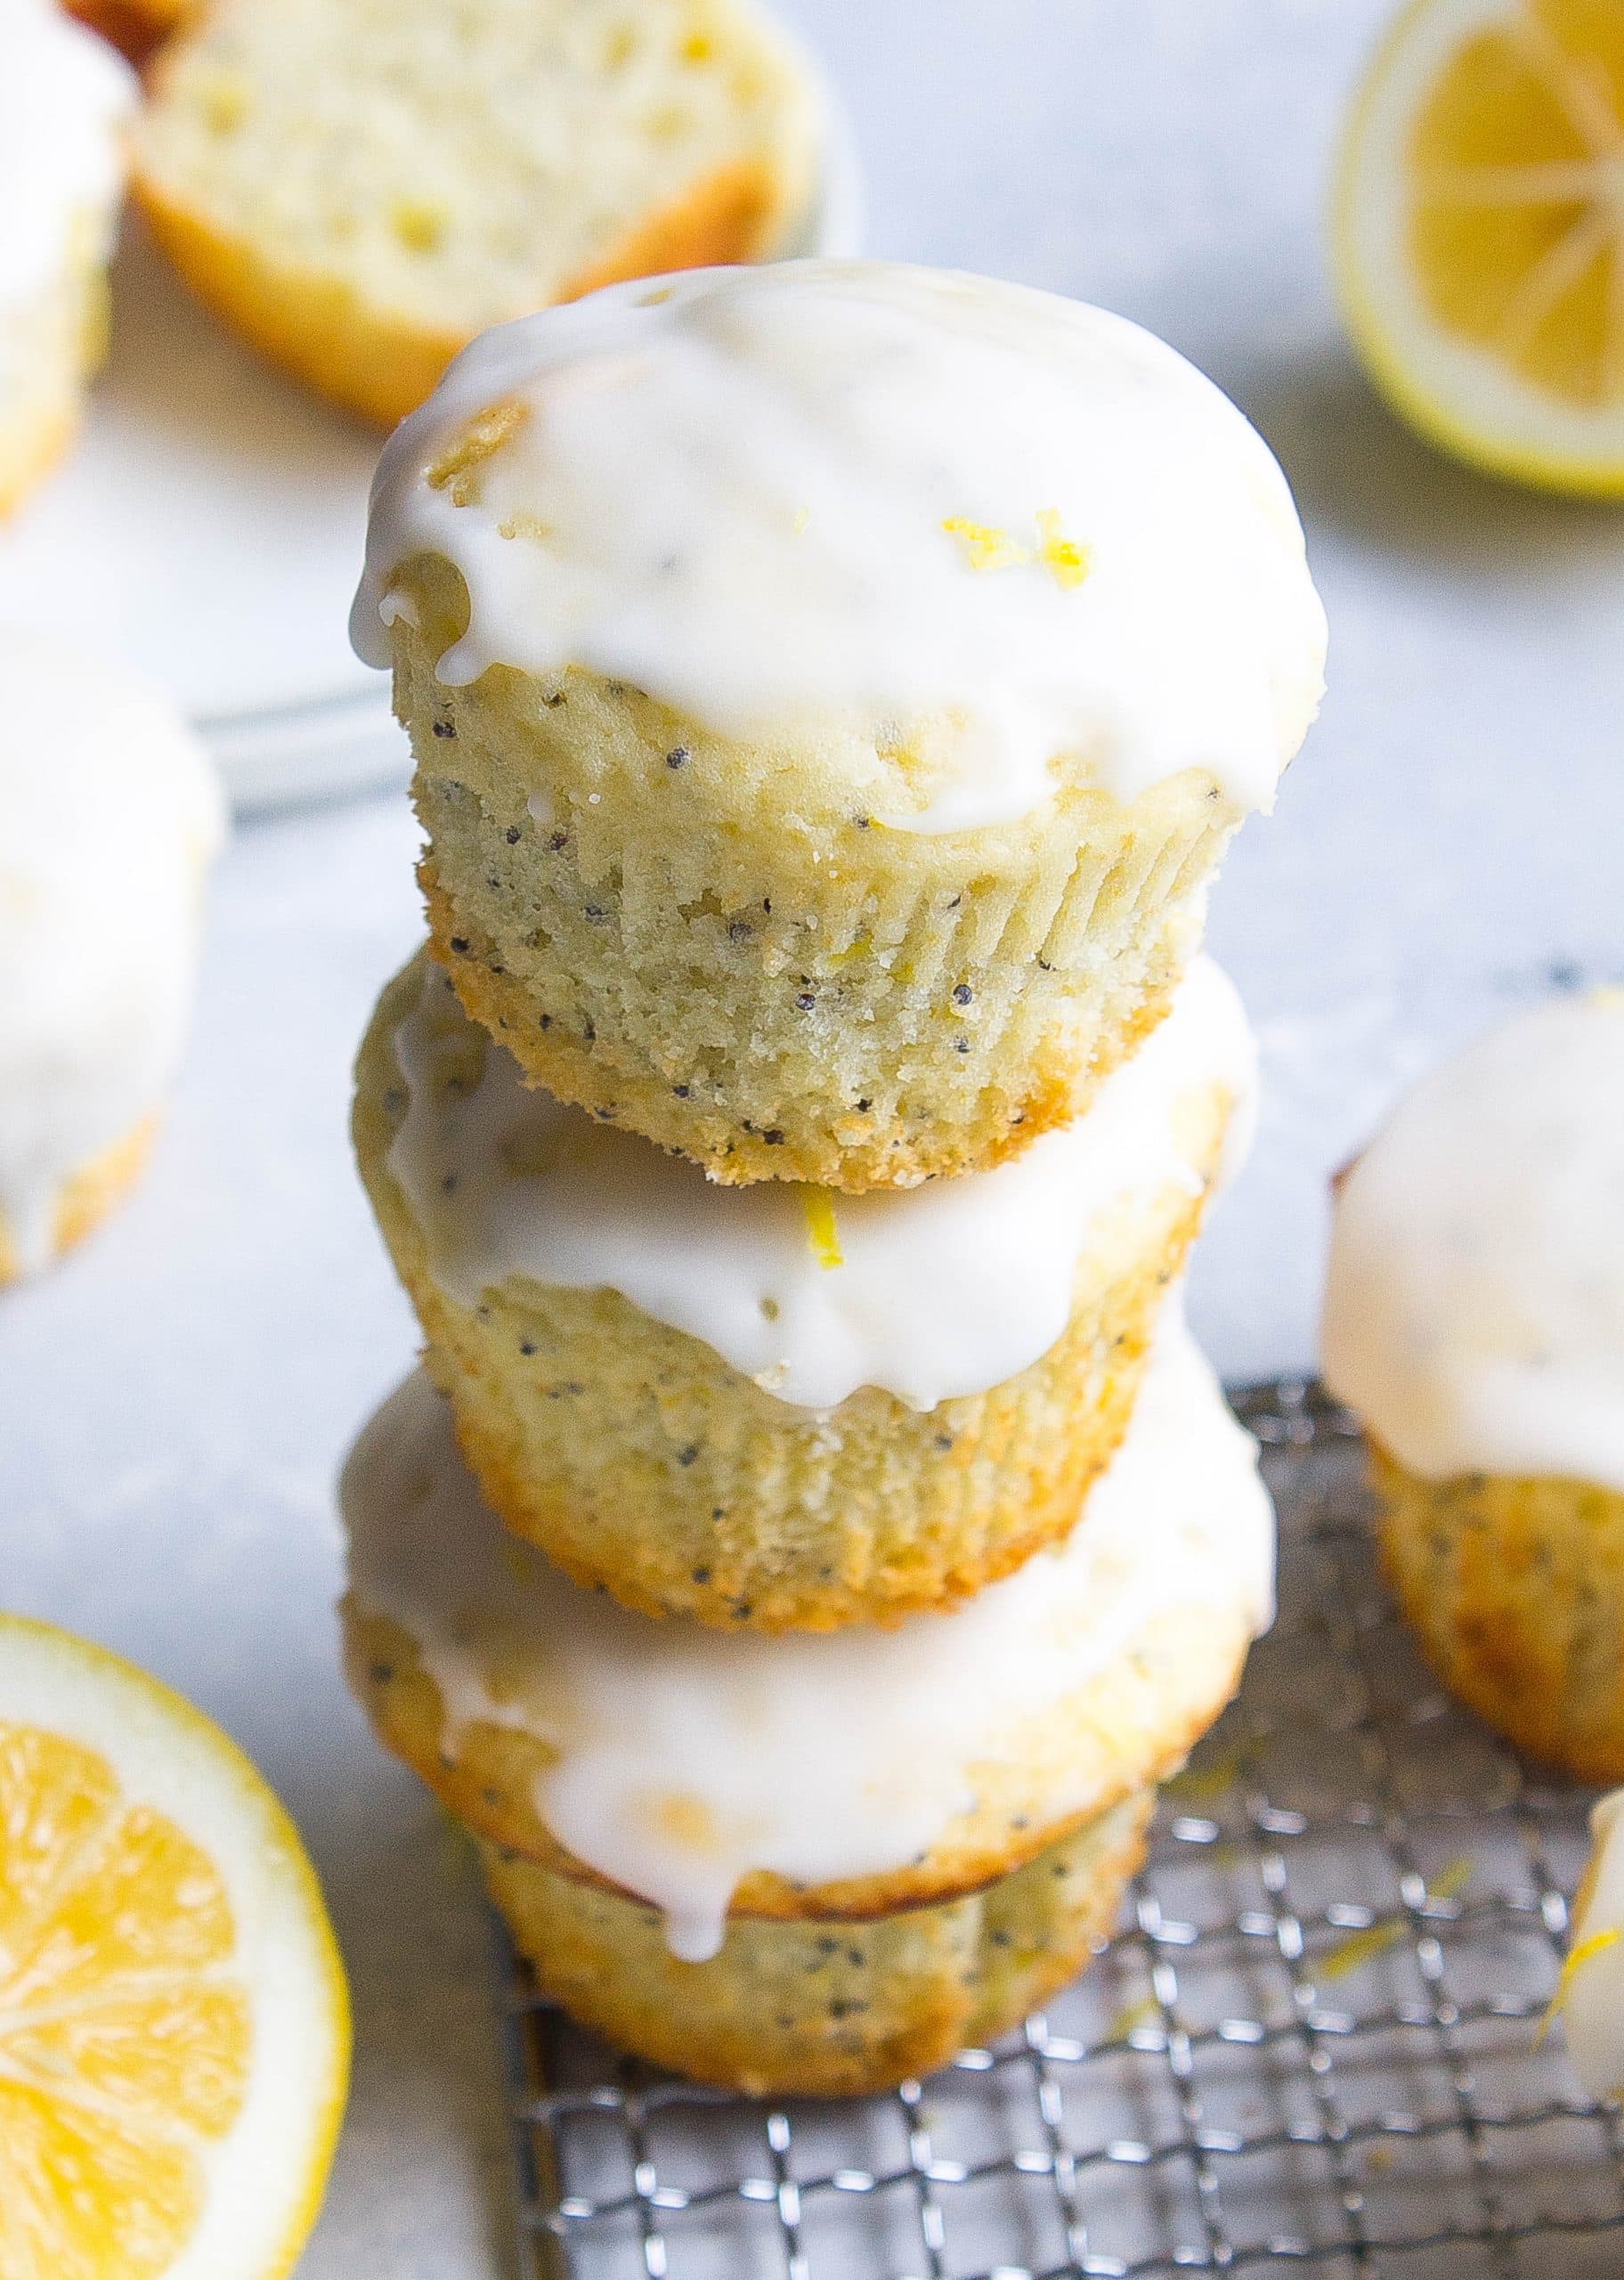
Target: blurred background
[(1447, 845)]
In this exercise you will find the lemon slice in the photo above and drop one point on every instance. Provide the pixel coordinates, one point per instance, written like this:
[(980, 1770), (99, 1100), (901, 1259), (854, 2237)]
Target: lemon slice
[(1479, 233), (173, 2023)]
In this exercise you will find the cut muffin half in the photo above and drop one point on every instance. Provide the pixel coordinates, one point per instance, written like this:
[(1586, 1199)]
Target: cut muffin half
[(359, 187)]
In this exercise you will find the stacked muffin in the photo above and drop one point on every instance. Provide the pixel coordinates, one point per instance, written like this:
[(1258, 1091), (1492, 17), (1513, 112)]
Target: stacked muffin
[(832, 688)]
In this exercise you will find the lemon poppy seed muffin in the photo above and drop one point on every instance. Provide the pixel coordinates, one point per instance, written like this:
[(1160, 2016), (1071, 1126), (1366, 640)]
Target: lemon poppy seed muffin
[(1474, 1319), (832, 685), (65, 101), (772, 1405), (361, 186), (109, 816), (685, 1824)]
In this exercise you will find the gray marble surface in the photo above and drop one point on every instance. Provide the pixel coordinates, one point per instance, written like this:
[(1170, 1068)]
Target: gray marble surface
[(176, 1398)]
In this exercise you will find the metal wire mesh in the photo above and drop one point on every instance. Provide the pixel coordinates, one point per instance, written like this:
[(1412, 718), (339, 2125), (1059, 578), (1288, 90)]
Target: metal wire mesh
[(1312, 2042)]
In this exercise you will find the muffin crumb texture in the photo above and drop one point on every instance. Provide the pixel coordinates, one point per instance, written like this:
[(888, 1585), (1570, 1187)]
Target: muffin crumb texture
[(360, 187)]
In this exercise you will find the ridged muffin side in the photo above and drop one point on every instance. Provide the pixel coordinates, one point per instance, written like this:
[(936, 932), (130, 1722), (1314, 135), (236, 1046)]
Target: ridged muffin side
[(826, 2007), (715, 944), (1515, 1590), (636, 1458)]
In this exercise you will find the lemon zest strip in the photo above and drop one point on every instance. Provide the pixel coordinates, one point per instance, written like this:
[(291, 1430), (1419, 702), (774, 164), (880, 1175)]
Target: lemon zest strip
[(1131, 2016), (1375, 1939), (985, 548), (1068, 562), (1207, 1780), (817, 1205), (1573, 1963)]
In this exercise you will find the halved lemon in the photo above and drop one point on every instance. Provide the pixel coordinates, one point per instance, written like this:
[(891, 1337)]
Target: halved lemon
[(1479, 233), (173, 2020)]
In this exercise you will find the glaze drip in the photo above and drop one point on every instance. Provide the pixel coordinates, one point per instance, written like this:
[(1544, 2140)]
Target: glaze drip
[(1474, 1307), (929, 1292), (988, 528), (687, 1757)]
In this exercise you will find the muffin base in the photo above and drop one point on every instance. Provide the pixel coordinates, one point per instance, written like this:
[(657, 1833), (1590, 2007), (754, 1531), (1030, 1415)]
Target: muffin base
[(705, 940), (87, 1197), (637, 1459), (826, 2007), (1515, 1590), (841, 1143)]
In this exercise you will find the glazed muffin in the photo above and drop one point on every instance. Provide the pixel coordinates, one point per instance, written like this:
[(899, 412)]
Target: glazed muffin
[(1590, 1996), (65, 101), (770, 1405), (832, 687), (360, 186), (1474, 1319), (109, 816), (924, 1785)]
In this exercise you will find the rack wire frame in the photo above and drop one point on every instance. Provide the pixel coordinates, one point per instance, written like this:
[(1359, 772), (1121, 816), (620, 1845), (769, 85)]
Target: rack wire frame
[(1314, 2040)]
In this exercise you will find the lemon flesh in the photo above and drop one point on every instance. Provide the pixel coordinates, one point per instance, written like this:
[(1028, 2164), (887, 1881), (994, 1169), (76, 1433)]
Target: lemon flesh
[(1479, 232), (173, 2029)]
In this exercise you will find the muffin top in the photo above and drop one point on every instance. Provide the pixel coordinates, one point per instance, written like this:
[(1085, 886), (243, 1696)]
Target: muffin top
[(686, 1758), (1017, 541), (64, 99), (109, 812), (1474, 1311), (930, 1292)]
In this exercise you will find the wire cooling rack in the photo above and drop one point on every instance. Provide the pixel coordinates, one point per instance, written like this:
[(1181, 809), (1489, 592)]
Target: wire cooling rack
[(1312, 2042)]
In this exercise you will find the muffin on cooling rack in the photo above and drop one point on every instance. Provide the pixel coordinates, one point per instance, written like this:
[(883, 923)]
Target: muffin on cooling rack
[(832, 687), (1475, 1318), (810, 1864), (360, 186), (65, 100), (773, 1406), (108, 815)]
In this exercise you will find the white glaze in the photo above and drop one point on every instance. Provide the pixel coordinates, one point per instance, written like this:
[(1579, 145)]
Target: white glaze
[(109, 813), (739, 483), (64, 99), (1593, 2000), (817, 1757), (1475, 1310), (944, 1290)]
